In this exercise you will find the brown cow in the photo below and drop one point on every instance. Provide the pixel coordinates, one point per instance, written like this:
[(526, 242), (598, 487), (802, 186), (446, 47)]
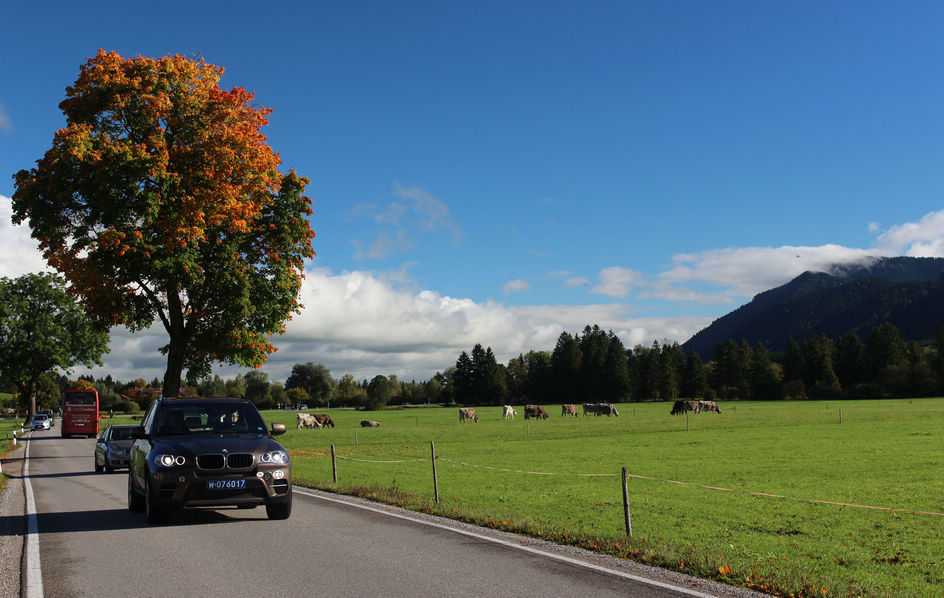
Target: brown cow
[(708, 406), (324, 419), (366, 423), (534, 411), (567, 409), (467, 413), (306, 420)]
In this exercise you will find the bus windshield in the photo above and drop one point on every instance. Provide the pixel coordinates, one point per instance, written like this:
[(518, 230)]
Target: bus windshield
[(80, 398)]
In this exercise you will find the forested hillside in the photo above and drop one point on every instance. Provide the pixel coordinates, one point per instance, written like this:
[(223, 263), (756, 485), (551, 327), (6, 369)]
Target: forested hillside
[(905, 292)]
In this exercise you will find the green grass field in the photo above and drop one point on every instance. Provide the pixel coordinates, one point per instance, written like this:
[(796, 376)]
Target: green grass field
[(857, 506)]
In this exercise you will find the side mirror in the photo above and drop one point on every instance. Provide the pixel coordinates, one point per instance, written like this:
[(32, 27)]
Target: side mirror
[(278, 429), (137, 432)]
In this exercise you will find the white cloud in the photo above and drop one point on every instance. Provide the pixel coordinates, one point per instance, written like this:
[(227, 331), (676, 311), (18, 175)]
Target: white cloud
[(361, 324), (366, 323), (19, 253), (924, 238), (746, 271), (617, 282), (516, 286)]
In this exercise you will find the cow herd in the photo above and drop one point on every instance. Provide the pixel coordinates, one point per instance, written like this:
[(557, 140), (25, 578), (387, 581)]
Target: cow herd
[(680, 407), (321, 420)]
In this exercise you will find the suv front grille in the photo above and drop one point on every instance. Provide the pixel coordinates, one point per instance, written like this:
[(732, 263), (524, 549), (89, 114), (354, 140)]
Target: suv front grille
[(210, 461), (239, 461), (234, 461)]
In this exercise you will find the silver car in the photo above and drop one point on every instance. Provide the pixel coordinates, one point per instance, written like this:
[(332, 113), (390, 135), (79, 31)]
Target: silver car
[(40, 422), (112, 448)]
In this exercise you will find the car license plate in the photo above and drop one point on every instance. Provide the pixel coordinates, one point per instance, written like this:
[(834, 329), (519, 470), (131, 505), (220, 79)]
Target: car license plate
[(226, 484)]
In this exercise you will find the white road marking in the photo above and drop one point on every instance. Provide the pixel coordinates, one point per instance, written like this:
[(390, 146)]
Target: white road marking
[(515, 546), (34, 572)]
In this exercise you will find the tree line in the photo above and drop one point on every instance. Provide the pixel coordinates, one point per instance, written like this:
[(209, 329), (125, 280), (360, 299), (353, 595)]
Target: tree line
[(590, 366)]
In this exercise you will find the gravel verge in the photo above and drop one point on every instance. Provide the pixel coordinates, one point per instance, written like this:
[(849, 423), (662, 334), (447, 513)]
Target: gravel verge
[(12, 524)]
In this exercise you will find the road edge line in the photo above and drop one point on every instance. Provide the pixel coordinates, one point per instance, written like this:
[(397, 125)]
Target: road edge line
[(537, 551), (33, 572)]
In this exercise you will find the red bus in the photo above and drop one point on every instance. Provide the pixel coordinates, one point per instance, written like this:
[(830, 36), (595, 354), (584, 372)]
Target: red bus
[(79, 413)]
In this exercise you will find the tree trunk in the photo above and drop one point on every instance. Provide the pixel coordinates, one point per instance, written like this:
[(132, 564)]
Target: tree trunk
[(177, 346), (175, 366)]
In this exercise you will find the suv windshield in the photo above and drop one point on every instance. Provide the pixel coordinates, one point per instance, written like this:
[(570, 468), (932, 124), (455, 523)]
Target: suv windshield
[(210, 417)]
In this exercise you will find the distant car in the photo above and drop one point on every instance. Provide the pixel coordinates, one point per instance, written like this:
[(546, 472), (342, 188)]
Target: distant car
[(40, 422), (49, 414), (113, 448), (192, 453)]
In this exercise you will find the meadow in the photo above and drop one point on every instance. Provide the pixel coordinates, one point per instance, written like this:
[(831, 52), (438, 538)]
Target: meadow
[(793, 498)]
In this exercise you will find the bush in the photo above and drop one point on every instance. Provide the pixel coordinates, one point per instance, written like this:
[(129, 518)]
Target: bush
[(131, 407)]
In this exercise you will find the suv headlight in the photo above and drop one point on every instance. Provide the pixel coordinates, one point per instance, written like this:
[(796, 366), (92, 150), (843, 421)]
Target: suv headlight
[(274, 457), (166, 460)]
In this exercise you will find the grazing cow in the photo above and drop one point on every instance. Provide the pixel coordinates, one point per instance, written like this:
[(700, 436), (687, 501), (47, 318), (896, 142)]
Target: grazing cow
[(324, 419), (607, 409), (467, 413), (534, 411), (680, 407), (708, 406), (568, 410), (366, 423), (306, 420), (509, 412)]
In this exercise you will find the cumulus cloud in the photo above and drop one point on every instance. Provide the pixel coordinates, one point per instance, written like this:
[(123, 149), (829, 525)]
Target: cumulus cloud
[(19, 253), (365, 323), (362, 324), (924, 238)]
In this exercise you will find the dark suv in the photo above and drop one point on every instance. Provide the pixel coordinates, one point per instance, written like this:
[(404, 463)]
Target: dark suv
[(207, 453)]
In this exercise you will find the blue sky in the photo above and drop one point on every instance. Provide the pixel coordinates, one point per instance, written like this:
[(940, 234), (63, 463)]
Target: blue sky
[(500, 172)]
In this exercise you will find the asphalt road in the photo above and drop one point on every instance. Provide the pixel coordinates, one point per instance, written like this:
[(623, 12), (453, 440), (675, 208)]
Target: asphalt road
[(91, 545)]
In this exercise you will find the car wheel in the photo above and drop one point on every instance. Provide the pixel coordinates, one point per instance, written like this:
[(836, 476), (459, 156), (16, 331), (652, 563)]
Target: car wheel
[(280, 510), (135, 502), (152, 511), (109, 469), (98, 468)]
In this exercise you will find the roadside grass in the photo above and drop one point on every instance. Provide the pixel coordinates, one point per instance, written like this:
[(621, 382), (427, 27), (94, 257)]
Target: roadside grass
[(559, 479), (6, 443)]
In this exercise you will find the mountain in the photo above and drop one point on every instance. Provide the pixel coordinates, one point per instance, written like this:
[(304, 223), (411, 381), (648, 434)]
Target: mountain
[(907, 292)]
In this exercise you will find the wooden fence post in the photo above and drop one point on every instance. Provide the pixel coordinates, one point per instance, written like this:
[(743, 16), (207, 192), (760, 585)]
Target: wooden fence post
[(432, 448), (334, 465), (840, 415), (355, 435), (629, 524)]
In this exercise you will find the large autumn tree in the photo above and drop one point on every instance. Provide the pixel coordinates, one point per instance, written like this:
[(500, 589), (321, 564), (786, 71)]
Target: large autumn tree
[(161, 199)]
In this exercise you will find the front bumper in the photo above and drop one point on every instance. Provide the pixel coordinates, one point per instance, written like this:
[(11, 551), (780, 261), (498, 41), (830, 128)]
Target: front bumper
[(177, 489)]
